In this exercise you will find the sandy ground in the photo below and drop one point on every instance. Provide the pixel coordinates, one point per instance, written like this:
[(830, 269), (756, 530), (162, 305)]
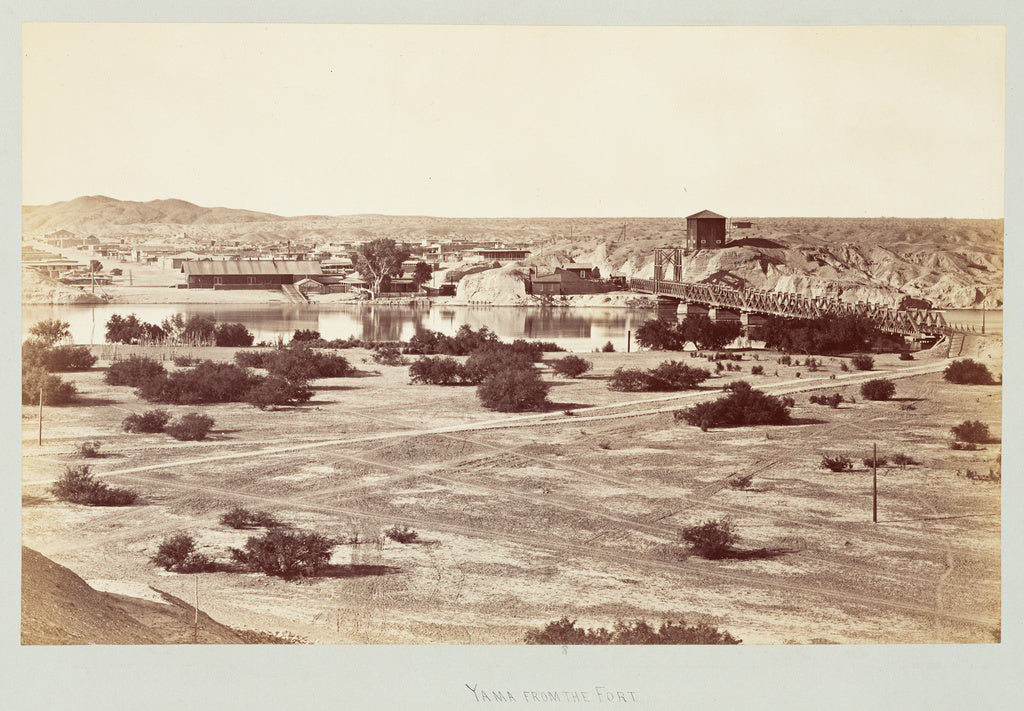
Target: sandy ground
[(526, 518)]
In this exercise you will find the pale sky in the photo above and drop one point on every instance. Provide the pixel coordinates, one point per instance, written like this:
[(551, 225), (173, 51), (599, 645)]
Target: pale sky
[(519, 121)]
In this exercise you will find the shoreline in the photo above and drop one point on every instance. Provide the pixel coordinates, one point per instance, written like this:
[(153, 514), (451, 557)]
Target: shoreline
[(135, 295)]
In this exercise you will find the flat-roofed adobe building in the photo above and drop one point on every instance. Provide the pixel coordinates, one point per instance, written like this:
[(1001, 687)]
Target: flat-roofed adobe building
[(705, 230), (247, 274)]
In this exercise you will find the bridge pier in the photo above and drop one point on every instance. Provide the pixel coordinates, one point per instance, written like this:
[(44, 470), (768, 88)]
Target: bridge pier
[(723, 315), (668, 308), (693, 310)]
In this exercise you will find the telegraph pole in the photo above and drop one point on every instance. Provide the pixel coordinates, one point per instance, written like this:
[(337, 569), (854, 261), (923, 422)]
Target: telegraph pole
[(40, 415), (874, 483), (195, 634)]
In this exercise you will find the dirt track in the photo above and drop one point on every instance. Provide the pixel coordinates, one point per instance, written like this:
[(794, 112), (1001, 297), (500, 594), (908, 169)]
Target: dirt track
[(504, 499)]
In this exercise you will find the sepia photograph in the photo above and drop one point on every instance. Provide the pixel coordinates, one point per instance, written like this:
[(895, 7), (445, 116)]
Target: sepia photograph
[(428, 335)]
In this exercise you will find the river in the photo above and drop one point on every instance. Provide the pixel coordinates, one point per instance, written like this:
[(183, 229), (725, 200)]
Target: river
[(576, 329)]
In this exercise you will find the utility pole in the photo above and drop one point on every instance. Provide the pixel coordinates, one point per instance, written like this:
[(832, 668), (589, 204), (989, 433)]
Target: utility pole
[(195, 634), (628, 336), (874, 483), (40, 415)]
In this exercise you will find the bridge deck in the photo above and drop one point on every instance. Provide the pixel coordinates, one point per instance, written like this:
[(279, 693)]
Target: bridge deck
[(907, 322)]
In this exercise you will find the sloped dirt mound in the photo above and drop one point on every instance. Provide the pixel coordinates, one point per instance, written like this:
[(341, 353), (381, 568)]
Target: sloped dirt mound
[(59, 607)]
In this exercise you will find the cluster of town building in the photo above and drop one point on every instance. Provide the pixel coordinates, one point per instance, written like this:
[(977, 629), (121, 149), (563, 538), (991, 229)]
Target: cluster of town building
[(327, 267)]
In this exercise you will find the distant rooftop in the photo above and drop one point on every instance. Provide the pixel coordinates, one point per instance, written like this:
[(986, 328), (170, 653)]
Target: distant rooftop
[(705, 214)]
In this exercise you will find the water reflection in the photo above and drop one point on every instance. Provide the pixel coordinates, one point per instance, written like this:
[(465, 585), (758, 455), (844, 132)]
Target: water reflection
[(578, 329)]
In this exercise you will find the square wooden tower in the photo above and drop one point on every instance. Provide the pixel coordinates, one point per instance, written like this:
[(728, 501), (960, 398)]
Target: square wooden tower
[(705, 230)]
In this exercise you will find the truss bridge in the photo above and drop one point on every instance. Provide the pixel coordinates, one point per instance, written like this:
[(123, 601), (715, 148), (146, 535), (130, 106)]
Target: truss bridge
[(918, 323)]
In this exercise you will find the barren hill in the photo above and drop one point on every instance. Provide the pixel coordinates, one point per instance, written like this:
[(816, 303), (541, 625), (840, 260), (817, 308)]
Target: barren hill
[(58, 607), (952, 263)]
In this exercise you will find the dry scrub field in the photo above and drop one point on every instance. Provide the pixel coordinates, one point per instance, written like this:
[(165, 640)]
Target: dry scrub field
[(526, 518)]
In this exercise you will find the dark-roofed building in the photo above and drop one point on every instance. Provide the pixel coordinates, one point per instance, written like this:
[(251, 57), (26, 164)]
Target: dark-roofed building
[(705, 230), (583, 271), (565, 283), (247, 274)]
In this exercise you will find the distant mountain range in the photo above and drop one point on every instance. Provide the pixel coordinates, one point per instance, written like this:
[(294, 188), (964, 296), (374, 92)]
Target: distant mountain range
[(952, 262)]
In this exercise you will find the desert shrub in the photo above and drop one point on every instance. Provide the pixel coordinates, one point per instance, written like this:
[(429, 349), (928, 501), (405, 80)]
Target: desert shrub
[(673, 375), (232, 334), (464, 342), (711, 539), (148, 422), (906, 355), (89, 449), (832, 401), (530, 349), (743, 406), (286, 554), (513, 390), (441, 370), (401, 534), (870, 462), (134, 371), (837, 463), (608, 347), (966, 446), (549, 347), (630, 380), (190, 427), (274, 391), (184, 361), (785, 359), (178, 554), (242, 518), (78, 486), (878, 389), (669, 376), (967, 372), (388, 355), (902, 460), (303, 364), (571, 366), (828, 334), (207, 382), (565, 631), (741, 482), (788, 402), (975, 432), (844, 367), (467, 340), (493, 360), (812, 364), (55, 390), (252, 359), (757, 370), (305, 335), (862, 362), (56, 359)]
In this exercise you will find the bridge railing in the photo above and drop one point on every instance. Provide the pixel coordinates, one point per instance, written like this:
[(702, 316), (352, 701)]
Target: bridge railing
[(777, 303)]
